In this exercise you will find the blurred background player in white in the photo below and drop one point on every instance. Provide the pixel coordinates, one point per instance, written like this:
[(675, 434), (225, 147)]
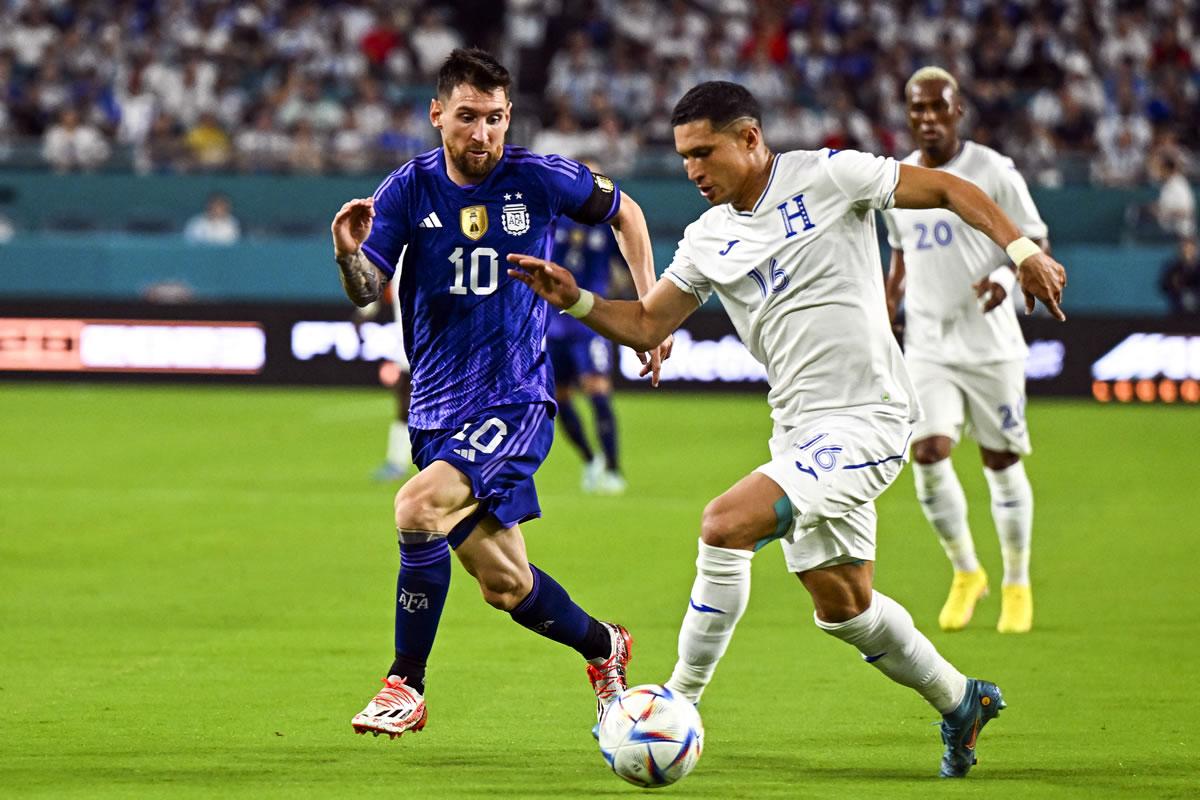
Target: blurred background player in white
[(217, 225), (791, 251), (965, 351), (582, 359), (395, 375)]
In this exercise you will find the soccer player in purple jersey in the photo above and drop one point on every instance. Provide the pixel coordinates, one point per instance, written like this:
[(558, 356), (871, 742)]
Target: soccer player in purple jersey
[(583, 359), (481, 417)]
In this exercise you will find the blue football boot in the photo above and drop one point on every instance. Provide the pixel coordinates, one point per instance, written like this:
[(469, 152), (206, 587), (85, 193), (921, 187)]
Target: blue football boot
[(961, 727)]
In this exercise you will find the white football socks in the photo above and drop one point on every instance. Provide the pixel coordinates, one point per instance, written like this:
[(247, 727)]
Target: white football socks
[(718, 598), (1012, 511), (888, 641), (945, 505), (399, 449)]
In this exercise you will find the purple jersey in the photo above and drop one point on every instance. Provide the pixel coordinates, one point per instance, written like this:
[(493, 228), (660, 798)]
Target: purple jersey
[(472, 334), (588, 252)]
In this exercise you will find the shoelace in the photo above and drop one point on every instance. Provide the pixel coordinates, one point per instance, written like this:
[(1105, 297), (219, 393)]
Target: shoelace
[(607, 678), (395, 694)]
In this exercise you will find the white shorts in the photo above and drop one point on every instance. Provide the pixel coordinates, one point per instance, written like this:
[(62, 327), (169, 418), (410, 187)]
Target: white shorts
[(832, 469), (986, 402)]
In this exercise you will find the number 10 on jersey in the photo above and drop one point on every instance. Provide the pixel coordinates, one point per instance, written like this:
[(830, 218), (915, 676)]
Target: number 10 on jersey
[(483, 259)]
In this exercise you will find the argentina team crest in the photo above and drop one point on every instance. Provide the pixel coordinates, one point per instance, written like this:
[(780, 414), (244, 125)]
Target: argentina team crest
[(515, 218), (473, 221)]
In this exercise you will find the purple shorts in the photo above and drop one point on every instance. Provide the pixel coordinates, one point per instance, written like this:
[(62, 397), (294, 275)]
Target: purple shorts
[(498, 449), (575, 356)]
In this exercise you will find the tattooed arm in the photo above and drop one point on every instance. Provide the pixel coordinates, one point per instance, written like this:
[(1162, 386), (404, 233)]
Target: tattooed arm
[(362, 280)]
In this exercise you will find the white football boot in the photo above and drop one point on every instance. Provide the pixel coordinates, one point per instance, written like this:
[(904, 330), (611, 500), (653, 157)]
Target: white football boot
[(396, 709)]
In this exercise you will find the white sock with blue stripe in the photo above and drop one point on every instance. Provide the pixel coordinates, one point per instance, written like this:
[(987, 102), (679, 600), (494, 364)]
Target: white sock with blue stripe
[(888, 641), (945, 506), (1012, 511), (718, 599)]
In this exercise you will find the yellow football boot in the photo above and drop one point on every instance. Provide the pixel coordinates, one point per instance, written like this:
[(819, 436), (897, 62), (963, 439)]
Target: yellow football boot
[(965, 592), (1016, 609)]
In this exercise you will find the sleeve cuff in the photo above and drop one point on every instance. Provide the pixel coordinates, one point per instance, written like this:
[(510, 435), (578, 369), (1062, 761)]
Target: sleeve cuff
[(378, 260)]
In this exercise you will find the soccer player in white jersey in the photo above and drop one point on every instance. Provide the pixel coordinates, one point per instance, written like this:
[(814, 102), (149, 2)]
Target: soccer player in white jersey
[(965, 352), (790, 249), (396, 374)]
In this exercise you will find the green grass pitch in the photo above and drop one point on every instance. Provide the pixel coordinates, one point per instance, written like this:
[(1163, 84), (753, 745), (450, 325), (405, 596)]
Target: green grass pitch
[(196, 589)]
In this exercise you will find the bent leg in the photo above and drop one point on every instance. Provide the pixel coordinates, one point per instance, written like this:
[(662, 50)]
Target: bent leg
[(883, 632), (496, 557), (732, 528), (599, 390), (426, 509), (943, 501), (1012, 512)]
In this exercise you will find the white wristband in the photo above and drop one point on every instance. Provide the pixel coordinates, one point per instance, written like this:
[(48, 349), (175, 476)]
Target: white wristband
[(582, 306), (1020, 249)]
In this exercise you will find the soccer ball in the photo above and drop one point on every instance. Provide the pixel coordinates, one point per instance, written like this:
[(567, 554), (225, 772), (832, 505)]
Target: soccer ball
[(651, 736)]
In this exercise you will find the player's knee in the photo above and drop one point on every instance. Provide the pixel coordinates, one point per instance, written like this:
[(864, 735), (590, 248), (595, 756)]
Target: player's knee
[(504, 589), (596, 384), (722, 526), (998, 460), (931, 450), (419, 509)]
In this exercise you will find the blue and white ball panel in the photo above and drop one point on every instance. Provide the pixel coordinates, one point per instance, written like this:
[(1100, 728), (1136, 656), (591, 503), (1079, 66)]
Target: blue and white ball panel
[(651, 737), (832, 468), (498, 449)]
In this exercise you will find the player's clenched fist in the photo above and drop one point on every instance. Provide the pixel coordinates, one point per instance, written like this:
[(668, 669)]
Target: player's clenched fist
[(352, 225)]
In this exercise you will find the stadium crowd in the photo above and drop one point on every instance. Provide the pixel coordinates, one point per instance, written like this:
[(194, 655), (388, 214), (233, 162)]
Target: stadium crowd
[(1074, 90)]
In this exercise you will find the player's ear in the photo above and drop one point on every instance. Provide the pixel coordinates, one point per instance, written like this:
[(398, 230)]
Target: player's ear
[(435, 113), (751, 136)]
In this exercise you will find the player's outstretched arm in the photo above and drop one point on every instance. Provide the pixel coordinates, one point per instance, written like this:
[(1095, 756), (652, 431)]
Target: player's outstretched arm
[(361, 280), (1040, 276), (640, 324), (633, 240)]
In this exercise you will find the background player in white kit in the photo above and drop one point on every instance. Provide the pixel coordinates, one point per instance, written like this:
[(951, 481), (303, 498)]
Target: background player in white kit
[(396, 374), (965, 351), (790, 249)]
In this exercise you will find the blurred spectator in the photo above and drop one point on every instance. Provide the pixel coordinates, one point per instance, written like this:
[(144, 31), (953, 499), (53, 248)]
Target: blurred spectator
[(431, 41), (1175, 208), (407, 134), (217, 225), (306, 155), (310, 104), (162, 149), (208, 145), (74, 145), (260, 146), (351, 147), (565, 138), (7, 229), (1180, 280), (1098, 77), (1123, 138)]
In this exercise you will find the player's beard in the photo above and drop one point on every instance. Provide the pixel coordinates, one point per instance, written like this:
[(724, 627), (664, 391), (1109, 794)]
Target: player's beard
[(472, 167)]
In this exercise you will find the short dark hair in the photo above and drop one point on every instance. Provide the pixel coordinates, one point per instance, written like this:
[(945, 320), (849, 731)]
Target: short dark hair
[(719, 102), (474, 67)]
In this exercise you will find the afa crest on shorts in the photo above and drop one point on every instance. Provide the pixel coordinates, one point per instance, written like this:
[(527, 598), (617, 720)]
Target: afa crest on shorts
[(515, 219), (474, 222)]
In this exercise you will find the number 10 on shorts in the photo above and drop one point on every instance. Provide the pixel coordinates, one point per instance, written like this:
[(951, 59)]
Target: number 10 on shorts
[(486, 437)]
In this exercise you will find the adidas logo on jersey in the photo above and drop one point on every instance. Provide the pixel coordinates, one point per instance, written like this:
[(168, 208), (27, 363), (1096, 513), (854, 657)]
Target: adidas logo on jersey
[(466, 453), (431, 221)]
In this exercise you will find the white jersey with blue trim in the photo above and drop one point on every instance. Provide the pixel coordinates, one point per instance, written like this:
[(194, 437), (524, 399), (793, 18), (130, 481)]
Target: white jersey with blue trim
[(800, 277), (944, 257)]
